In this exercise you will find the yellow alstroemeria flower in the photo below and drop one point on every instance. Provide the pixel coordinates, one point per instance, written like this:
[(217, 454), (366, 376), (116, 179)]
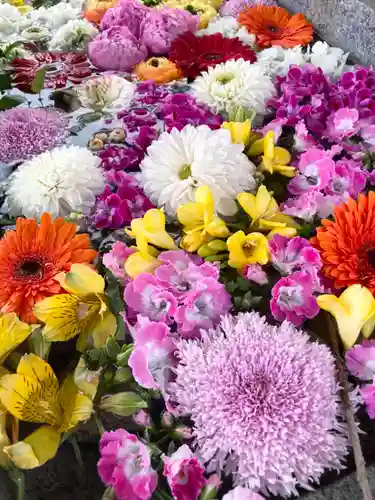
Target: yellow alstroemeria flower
[(12, 333), (240, 131), (274, 159), (200, 224), (266, 215), (84, 311), (352, 310), (33, 395), (247, 249)]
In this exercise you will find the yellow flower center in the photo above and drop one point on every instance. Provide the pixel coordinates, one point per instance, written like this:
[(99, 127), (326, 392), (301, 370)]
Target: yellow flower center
[(224, 79), (185, 172), (248, 248)]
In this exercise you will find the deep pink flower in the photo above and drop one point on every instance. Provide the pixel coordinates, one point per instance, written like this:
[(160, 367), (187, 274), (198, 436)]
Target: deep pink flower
[(342, 123), (292, 298), (116, 49), (241, 493), (120, 158), (152, 358), (115, 259), (293, 254), (184, 474), (360, 360), (368, 394), (316, 168), (128, 13), (254, 272)]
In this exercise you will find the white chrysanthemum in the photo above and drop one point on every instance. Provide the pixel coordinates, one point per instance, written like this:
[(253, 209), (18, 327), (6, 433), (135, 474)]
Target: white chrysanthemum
[(106, 93), (59, 181), (180, 161), (9, 20), (35, 33), (229, 28), (332, 60), (74, 35), (234, 83), (51, 17), (276, 60)]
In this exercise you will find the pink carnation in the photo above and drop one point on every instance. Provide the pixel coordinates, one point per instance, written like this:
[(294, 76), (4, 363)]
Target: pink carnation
[(184, 474), (128, 13), (292, 254), (125, 465), (342, 123), (316, 168), (241, 493), (254, 272), (302, 139), (116, 49), (115, 260), (368, 394)]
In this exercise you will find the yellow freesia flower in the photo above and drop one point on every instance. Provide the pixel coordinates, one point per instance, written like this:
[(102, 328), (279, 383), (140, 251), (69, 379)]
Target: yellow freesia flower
[(152, 227), (352, 310), (240, 131), (274, 159), (84, 311), (33, 395), (143, 261), (200, 224), (247, 249), (200, 8), (266, 215), (12, 333)]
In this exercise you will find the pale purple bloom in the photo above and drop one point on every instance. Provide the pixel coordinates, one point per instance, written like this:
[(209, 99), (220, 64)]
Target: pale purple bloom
[(342, 123), (152, 358), (184, 474), (26, 132), (302, 139), (125, 465), (348, 177), (316, 168), (360, 360), (115, 259), (235, 7), (241, 493), (304, 207), (255, 393), (128, 13), (254, 272), (292, 298), (293, 254)]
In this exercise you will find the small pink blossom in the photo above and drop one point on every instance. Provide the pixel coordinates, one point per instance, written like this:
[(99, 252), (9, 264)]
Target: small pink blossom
[(316, 168), (347, 177), (342, 123), (125, 465), (241, 493), (152, 357), (115, 259), (302, 139), (292, 298), (184, 474), (293, 254), (360, 360), (142, 418), (254, 272)]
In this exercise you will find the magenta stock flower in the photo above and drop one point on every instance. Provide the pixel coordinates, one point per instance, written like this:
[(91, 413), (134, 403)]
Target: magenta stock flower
[(115, 259), (152, 358), (360, 360), (128, 13), (254, 272), (293, 254), (292, 298), (368, 394), (316, 168), (125, 465), (241, 493), (347, 178), (184, 474)]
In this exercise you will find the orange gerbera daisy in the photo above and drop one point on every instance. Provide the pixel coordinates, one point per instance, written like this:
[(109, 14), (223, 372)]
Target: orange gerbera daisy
[(275, 26), (31, 257), (347, 244)]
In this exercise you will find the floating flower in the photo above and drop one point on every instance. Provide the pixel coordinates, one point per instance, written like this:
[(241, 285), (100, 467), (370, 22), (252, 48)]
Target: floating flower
[(348, 178), (247, 249), (32, 256), (219, 386), (105, 93), (360, 360), (293, 254), (179, 162), (128, 13), (83, 311), (352, 310), (275, 26), (74, 35), (159, 69), (120, 158), (59, 181), (184, 474), (274, 159), (342, 123), (241, 493), (60, 68), (331, 60), (12, 333), (195, 54), (346, 243), (276, 61), (125, 464), (234, 83), (33, 395)]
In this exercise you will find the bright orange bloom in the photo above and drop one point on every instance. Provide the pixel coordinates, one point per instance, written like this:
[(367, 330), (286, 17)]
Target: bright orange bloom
[(275, 26), (347, 244), (31, 257)]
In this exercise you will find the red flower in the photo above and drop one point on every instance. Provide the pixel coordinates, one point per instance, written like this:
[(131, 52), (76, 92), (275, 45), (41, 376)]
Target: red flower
[(60, 67), (194, 54)]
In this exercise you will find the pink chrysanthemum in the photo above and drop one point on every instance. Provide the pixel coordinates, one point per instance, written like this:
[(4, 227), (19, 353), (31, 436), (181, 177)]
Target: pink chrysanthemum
[(264, 402)]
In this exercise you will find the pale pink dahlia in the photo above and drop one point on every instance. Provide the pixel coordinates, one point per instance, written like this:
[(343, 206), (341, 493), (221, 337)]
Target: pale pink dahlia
[(264, 402)]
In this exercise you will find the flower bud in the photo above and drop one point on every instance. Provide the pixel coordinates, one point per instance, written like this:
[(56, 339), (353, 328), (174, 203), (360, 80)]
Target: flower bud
[(167, 419), (122, 375), (123, 404), (183, 432), (142, 418), (123, 358)]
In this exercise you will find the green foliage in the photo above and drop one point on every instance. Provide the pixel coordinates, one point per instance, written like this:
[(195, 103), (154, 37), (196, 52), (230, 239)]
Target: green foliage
[(38, 83), (10, 101), (123, 404)]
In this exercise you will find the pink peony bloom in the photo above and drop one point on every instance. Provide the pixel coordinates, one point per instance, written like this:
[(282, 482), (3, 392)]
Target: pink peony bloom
[(160, 27), (302, 139), (368, 394), (202, 307), (360, 360), (316, 169), (293, 254), (254, 272), (241, 493), (125, 465), (184, 474), (342, 123), (293, 300), (115, 260), (152, 358), (146, 295), (128, 13), (116, 49)]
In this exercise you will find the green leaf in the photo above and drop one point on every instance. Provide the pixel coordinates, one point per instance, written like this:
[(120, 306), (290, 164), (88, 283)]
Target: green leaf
[(38, 82), (89, 117), (8, 102), (112, 348), (77, 451), (38, 345), (122, 375), (11, 47), (113, 292), (109, 494), (123, 357), (123, 404), (5, 82)]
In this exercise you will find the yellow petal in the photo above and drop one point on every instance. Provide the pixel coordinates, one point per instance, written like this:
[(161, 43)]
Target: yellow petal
[(77, 407), (205, 200), (267, 165), (249, 204), (257, 148), (86, 380), (59, 313), (82, 280), (284, 170), (237, 257), (260, 254), (240, 131), (104, 328), (269, 145), (4, 441), (12, 333), (263, 201), (136, 264), (282, 156), (217, 228), (36, 449), (194, 240), (154, 220), (285, 219), (288, 232), (191, 215)]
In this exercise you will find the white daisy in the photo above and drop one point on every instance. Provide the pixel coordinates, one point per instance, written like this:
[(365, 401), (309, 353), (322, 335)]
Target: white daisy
[(74, 35), (229, 28), (234, 83), (105, 93), (276, 60), (181, 161), (64, 180), (332, 60)]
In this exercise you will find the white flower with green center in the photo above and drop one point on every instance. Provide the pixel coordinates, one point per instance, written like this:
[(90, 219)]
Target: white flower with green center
[(180, 161), (35, 33), (234, 83), (105, 93), (74, 35)]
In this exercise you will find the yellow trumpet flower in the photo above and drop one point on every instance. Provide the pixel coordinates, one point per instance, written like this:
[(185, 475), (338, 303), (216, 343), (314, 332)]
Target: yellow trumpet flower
[(240, 131), (353, 310), (84, 311), (274, 159), (33, 395), (247, 249), (200, 224), (266, 215), (12, 333)]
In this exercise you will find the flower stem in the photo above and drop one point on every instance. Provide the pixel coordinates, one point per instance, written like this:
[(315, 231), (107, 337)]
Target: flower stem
[(18, 478), (162, 495), (99, 424)]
